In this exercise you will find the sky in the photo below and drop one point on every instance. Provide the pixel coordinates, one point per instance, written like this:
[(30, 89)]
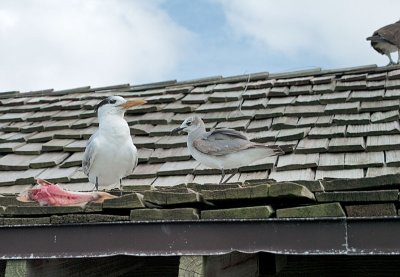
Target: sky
[(71, 43)]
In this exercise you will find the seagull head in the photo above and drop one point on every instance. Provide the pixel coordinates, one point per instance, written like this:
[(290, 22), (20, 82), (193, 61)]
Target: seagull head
[(190, 124), (116, 105)]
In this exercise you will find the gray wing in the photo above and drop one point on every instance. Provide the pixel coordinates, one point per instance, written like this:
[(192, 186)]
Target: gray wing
[(89, 154), (221, 142)]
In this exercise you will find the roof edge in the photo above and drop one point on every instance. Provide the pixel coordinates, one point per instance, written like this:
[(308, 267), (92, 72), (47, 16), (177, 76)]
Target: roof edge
[(299, 236)]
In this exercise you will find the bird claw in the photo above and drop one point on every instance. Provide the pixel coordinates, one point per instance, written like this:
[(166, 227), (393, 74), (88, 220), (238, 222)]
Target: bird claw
[(393, 63)]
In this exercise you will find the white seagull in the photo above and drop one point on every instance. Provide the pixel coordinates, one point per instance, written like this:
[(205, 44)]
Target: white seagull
[(110, 153), (223, 148)]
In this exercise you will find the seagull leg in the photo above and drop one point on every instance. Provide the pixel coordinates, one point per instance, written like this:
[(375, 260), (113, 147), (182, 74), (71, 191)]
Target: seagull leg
[(222, 175), (391, 62), (398, 56), (97, 183), (120, 186), (233, 174)]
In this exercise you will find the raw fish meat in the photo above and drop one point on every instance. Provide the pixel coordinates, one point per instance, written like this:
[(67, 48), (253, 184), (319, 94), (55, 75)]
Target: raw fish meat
[(49, 194)]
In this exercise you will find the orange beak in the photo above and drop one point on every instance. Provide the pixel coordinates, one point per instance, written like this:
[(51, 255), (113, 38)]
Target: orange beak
[(133, 103)]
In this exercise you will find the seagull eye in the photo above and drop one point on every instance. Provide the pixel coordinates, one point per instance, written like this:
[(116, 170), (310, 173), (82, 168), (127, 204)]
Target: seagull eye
[(189, 123), (113, 101)]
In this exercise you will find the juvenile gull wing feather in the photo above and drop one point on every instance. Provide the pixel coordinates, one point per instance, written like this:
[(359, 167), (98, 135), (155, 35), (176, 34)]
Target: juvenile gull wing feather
[(221, 142), (89, 155), (224, 133)]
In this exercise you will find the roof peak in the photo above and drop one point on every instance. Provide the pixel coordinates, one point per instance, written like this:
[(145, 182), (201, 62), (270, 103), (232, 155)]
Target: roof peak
[(203, 81)]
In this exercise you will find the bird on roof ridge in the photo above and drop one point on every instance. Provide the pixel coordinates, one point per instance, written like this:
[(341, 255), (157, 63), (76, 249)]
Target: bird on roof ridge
[(223, 148), (386, 40), (110, 153)]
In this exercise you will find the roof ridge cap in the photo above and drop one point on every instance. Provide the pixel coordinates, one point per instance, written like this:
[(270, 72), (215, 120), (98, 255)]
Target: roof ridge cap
[(154, 85), (353, 69), (296, 73)]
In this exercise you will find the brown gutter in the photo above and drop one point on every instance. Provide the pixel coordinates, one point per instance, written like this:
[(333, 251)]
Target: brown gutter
[(362, 236)]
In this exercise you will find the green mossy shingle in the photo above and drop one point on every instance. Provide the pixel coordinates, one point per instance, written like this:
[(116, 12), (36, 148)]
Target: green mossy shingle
[(86, 218), (170, 198), (260, 191), (26, 221), (135, 188), (321, 210), (129, 201), (363, 183), (37, 210), (382, 209), (12, 201), (203, 187), (268, 190), (164, 214), (238, 213), (358, 196), (93, 207), (290, 190)]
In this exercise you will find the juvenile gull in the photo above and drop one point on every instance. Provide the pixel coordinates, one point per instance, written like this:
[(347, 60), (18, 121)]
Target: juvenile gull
[(223, 148), (386, 40), (110, 153)]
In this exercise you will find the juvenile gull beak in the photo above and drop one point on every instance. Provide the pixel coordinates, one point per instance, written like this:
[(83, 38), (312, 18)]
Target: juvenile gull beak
[(177, 130), (133, 103)]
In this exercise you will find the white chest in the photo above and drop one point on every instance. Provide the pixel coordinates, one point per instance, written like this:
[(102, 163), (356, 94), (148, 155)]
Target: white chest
[(114, 156), (386, 47)]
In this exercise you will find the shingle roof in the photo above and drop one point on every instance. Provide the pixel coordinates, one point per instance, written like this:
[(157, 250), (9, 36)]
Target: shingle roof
[(342, 123)]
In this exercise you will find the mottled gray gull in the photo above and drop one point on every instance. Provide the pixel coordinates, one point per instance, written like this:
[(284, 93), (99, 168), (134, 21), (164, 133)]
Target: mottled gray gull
[(223, 148)]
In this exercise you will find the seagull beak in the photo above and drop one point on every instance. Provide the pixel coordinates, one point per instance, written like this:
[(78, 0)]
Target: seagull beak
[(132, 103), (177, 130)]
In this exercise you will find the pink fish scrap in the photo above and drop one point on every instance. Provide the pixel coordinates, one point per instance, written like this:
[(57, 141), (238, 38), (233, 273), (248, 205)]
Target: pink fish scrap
[(49, 194)]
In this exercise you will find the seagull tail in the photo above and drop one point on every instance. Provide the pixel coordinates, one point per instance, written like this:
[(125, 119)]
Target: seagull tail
[(273, 150), (376, 39), (277, 150), (288, 148)]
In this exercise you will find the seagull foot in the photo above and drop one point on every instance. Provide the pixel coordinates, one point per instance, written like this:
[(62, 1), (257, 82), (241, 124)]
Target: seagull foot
[(230, 177), (222, 176)]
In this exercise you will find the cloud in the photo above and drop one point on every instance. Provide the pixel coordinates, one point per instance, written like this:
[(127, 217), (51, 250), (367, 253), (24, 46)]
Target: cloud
[(62, 44), (333, 31)]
